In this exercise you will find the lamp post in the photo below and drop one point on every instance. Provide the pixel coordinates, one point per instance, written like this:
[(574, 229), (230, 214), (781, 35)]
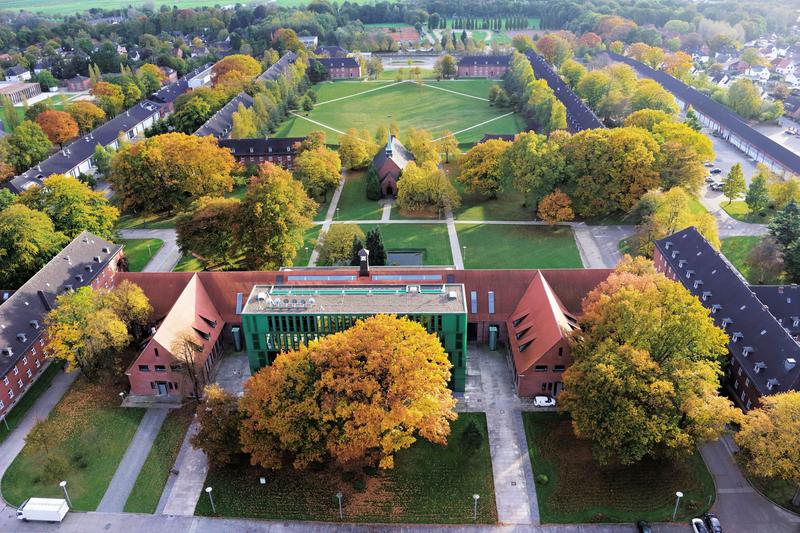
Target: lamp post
[(211, 499), (339, 497), (463, 253), (63, 485), (475, 498), (678, 496), (337, 213)]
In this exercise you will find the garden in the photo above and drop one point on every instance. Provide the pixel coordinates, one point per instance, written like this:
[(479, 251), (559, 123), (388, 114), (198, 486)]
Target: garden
[(429, 484), (518, 246), (573, 488)]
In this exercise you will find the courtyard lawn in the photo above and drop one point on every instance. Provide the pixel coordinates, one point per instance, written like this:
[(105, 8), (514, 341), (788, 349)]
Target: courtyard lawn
[(410, 105), (29, 398), (88, 434), (322, 210), (507, 206), (579, 491), (739, 210), (309, 242), (140, 251), (737, 249), (353, 203), (430, 484), (430, 239), (517, 246), (156, 469), (146, 221), (188, 263)]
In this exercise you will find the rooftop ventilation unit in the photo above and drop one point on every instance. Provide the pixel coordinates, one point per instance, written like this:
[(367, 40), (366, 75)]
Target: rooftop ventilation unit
[(8, 351), (789, 363), (96, 259), (452, 295)]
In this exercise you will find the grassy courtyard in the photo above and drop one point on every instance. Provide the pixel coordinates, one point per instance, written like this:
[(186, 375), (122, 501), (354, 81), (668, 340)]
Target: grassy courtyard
[(88, 433), (737, 249), (353, 203), (156, 469), (140, 251), (452, 105), (739, 210), (429, 484), (512, 246), (579, 491), (33, 393), (430, 239)]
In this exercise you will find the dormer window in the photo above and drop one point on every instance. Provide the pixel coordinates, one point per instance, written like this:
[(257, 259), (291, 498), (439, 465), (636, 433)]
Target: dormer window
[(518, 321), (689, 273), (706, 295), (747, 350), (698, 283), (736, 336), (759, 366), (726, 321), (675, 253), (681, 263), (795, 321), (668, 245), (715, 308), (772, 383)]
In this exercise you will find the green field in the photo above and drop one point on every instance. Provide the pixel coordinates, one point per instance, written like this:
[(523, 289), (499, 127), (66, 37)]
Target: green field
[(429, 484), (353, 203), (512, 246), (32, 394), (738, 209), (140, 251), (460, 106), (431, 239)]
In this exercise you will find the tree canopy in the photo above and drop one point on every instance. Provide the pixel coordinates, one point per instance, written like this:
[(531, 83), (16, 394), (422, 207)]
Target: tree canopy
[(28, 240)]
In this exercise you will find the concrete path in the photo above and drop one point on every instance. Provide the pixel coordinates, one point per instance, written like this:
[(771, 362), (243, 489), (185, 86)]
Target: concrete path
[(729, 226), (387, 211), (169, 254), (312, 260), (740, 508), (128, 470), (455, 247), (599, 245)]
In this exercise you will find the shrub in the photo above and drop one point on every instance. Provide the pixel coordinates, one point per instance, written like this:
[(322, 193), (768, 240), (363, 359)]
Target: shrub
[(471, 439), (542, 479), (373, 184), (359, 484)]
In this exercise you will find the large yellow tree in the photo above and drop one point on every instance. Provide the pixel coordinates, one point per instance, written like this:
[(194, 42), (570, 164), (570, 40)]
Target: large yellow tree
[(356, 398), (770, 439)]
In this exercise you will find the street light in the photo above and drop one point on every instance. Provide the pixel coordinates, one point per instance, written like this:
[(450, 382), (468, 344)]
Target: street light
[(475, 498), (678, 496), (339, 497), (63, 485), (464, 253), (337, 213), (211, 498)]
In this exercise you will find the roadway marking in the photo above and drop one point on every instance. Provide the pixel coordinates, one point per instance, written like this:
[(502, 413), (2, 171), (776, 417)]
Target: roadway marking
[(317, 123), (359, 94), (456, 92), (475, 126)]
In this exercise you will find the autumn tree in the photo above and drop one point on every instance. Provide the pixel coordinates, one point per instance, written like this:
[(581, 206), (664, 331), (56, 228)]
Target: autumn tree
[(320, 171), (649, 94), (26, 146), (445, 67), (447, 144), (357, 148), (421, 144), (218, 426), (534, 165), (480, 169), (59, 126), (130, 304), (765, 260), (278, 212), (165, 173), (150, 77), (243, 123), (388, 377), (206, 231), (743, 97), (554, 48), (678, 64), (109, 97), (28, 241), (593, 86), (425, 188), (734, 185), (86, 115), (572, 72), (72, 206), (770, 439), (242, 63), (555, 207), (647, 367), (337, 243)]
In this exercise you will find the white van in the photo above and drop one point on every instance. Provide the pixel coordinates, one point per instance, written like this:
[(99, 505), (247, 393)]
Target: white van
[(43, 510)]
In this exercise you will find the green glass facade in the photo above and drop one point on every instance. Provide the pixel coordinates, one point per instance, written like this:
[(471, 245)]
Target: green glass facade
[(268, 334)]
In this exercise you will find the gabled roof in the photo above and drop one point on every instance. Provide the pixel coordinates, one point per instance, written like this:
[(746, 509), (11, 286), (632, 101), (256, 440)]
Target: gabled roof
[(331, 51), (221, 122), (703, 270), (538, 323), (16, 70), (483, 61), (393, 151), (261, 146), (279, 67), (38, 295), (337, 62)]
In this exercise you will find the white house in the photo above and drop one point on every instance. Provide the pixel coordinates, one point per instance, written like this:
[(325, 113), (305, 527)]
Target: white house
[(18, 74), (784, 66), (759, 73)]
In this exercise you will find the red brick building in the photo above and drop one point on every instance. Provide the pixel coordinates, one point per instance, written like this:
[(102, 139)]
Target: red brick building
[(389, 164), (79, 83), (258, 151), (88, 261), (483, 66), (340, 68)]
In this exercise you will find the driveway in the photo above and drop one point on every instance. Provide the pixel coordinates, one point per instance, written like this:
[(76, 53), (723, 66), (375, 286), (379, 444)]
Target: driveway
[(169, 254)]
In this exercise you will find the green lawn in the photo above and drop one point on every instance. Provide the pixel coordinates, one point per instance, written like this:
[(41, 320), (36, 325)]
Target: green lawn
[(429, 484), (188, 263), (353, 203), (155, 471), (431, 239), (507, 206), (140, 251), (579, 491), (148, 221), (737, 249), (695, 206), (309, 242), (88, 433), (512, 246), (410, 105), (29, 398), (739, 210), (69, 7)]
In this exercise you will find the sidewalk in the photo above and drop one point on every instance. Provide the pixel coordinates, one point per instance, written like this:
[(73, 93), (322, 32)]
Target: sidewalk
[(312, 260), (169, 254)]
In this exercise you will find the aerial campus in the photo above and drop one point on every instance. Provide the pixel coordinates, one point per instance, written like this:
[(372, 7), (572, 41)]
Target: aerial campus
[(312, 266)]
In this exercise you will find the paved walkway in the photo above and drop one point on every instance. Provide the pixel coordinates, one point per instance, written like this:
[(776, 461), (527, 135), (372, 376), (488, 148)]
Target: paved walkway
[(599, 245), (455, 247), (740, 508), (387, 210), (312, 260), (128, 470), (169, 254)]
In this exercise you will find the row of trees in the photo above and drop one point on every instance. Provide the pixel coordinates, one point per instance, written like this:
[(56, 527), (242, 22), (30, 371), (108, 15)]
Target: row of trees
[(533, 99)]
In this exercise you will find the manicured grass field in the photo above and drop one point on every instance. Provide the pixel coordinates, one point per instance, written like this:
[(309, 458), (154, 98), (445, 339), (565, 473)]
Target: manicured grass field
[(140, 251), (507, 206), (89, 433), (429, 484), (580, 491), (410, 105), (33, 393), (155, 471), (739, 210), (353, 203), (512, 246), (431, 239)]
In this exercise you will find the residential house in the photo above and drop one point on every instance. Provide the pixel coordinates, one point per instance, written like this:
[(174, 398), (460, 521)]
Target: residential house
[(18, 73), (758, 73), (310, 42), (784, 66), (331, 51), (79, 84), (170, 74)]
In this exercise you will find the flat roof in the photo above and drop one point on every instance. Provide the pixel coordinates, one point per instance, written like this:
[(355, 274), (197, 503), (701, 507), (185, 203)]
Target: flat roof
[(446, 298)]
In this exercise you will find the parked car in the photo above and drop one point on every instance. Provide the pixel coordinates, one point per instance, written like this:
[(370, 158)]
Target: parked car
[(541, 400), (708, 164), (715, 187), (716, 171), (709, 179), (644, 527), (712, 522), (698, 526)]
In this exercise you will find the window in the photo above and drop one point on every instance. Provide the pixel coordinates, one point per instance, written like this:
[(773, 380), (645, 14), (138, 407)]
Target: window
[(152, 384), (746, 382), (19, 383), (473, 302), (558, 368), (736, 384), (491, 302), (29, 373), (5, 381), (156, 351), (540, 368), (743, 396), (749, 404), (161, 368), (144, 368), (24, 360), (739, 373), (16, 371), (560, 351), (175, 367), (10, 394), (2, 404)]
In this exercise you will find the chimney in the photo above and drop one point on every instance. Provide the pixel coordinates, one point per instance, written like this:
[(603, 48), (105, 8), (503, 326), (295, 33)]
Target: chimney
[(789, 363), (363, 263)]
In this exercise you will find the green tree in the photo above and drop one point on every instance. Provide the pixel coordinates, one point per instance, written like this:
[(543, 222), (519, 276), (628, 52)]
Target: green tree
[(649, 94), (102, 159), (757, 197), (206, 230), (785, 227), (218, 426), (26, 146), (572, 72), (744, 99), (336, 248), (243, 123), (734, 184), (534, 166), (425, 188), (373, 188), (377, 252), (421, 144), (445, 67), (692, 120), (593, 87), (28, 241), (647, 368), (72, 206), (10, 117), (278, 212), (192, 115)]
